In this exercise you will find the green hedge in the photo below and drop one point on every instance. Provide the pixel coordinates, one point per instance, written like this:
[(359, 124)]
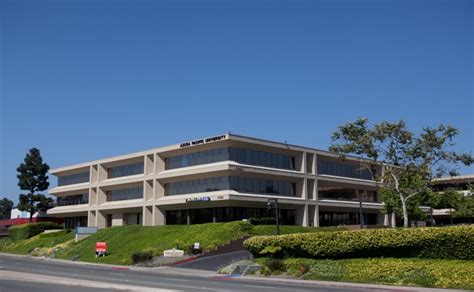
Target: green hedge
[(437, 273), (436, 242), (28, 230)]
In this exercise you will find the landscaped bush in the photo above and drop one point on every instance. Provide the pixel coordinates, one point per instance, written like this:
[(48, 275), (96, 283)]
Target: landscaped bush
[(275, 265), (28, 230), (443, 242), (141, 256), (419, 272)]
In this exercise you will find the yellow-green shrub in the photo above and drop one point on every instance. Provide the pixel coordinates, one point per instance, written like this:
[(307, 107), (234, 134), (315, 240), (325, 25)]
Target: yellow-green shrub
[(28, 230), (419, 272), (436, 242)]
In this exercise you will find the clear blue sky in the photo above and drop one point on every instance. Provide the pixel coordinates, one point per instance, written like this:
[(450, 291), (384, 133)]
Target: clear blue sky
[(83, 80)]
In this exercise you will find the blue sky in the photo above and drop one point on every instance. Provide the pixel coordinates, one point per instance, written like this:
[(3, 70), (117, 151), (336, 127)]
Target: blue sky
[(83, 80)]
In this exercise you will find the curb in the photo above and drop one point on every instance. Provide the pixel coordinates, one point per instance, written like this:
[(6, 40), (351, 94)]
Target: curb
[(376, 287)]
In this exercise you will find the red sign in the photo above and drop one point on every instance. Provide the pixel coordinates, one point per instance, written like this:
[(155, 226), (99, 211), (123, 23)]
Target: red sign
[(100, 247)]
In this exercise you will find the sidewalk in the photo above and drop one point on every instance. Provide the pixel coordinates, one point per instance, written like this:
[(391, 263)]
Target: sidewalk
[(375, 287)]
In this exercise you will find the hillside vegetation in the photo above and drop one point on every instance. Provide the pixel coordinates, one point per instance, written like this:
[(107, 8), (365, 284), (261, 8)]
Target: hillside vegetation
[(122, 242)]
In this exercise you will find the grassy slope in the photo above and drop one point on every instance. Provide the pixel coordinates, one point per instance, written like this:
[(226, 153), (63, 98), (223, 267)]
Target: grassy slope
[(416, 272), (122, 242), (26, 246)]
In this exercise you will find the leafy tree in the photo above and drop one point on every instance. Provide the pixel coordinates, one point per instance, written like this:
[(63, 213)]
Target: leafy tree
[(32, 177), (409, 161), (6, 207)]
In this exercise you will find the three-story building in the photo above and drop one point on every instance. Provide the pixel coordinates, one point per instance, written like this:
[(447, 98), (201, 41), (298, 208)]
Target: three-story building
[(217, 179)]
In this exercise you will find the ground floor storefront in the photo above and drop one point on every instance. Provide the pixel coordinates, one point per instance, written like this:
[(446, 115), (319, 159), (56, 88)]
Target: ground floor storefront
[(288, 215)]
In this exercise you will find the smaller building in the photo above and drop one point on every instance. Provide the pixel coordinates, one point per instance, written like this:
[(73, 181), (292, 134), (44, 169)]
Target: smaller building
[(16, 213), (462, 184)]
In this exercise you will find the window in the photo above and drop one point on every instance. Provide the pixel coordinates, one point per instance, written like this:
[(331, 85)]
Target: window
[(238, 183), (73, 178), (73, 200), (344, 170), (125, 170), (240, 155), (125, 194)]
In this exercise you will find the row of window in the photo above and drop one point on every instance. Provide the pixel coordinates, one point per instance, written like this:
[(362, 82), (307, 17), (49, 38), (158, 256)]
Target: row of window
[(125, 170), (73, 200), (336, 193), (240, 155), (225, 214), (237, 183), (344, 170), (125, 194), (76, 178), (345, 218)]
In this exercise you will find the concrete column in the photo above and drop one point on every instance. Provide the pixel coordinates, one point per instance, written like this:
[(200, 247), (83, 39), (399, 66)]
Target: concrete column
[(94, 173), (303, 163), (148, 189), (159, 164), (118, 219), (158, 216), (101, 220), (316, 216), (159, 190), (91, 219), (92, 196), (101, 196), (102, 173), (386, 219), (302, 215), (149, 164), (394, 220), (147, 216)]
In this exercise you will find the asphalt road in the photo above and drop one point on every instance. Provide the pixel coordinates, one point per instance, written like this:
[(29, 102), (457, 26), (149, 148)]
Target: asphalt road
[(17, 273), (215, 263)]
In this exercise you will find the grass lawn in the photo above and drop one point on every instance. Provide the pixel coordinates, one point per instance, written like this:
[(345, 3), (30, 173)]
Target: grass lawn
[(403, 271), (42, 241), (122, 242)]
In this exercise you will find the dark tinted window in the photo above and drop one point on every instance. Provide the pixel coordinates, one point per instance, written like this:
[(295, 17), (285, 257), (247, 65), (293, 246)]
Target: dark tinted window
[(345, 170), (76, 178), (125, 194), (126, 170)]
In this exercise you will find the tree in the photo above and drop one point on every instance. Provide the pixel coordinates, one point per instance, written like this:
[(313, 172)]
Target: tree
[(408, 161), (6, 207), (32, 177)]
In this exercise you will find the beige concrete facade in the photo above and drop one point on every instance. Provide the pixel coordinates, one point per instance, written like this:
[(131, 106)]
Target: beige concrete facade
[(306, 203)]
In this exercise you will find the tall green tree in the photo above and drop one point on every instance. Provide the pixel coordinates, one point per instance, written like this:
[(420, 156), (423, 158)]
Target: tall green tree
[(6, 207), (409, 161), (33, 178)]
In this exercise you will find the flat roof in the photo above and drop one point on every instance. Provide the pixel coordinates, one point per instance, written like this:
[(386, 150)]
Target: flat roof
[(456, 179)]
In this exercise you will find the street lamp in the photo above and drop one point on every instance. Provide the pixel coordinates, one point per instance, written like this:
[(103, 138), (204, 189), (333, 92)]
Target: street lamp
[(273, 204)]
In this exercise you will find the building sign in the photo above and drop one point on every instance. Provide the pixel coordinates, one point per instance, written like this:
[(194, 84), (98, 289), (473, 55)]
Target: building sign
[(202, 141), (198, 199), (173, 253)]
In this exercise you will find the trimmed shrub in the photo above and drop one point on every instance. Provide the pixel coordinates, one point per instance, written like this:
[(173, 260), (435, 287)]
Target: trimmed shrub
[(275, 265), (28, 230), (419, 272), (141, 256), (455, 242)]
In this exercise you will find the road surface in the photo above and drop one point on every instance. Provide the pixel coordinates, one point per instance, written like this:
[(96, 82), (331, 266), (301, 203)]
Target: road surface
[(18, 273)]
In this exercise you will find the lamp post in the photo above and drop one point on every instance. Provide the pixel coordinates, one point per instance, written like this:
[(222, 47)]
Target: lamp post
[(273, 203)]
